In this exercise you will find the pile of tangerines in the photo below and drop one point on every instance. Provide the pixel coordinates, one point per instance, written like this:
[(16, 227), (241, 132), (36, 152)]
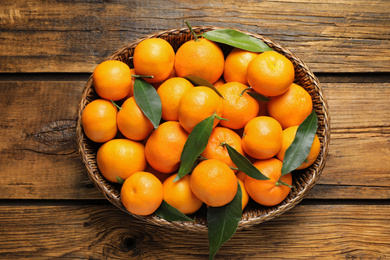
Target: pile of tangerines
[(146, 158)]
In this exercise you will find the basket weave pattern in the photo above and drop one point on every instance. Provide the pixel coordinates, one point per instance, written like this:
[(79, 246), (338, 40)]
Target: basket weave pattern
[(303, 180)]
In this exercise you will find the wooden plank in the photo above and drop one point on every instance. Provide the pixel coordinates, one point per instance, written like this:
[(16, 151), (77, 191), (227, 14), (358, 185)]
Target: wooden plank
[(330, 36), (360, 123), (39, 160), (104, 232)]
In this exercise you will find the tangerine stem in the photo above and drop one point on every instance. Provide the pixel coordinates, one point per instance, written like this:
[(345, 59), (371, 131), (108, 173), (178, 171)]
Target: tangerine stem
[(119, 108), (218, 117), (242, 93), (192, 31), (142, 76), (279, 182)]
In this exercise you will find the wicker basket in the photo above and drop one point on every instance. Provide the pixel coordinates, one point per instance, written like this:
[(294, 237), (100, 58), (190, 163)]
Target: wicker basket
[(253, 214)]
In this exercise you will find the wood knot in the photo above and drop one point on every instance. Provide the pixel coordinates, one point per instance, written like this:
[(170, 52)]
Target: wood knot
[(129, 243), (57, 137)]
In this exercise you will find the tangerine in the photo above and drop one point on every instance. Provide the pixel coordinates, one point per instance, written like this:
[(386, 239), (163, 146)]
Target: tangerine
[(269, 192), (236, 65), (239, 107), (99, 120), (201, 58), (288, 137), (292, 107), (197, 104), (216, 148), (131, 92), (170, 92), (214, 183), (154, 57), (270, 73), (112, 80), (262, 137), (179, 195), (132, 122), (164, 146), (142, 193), (244, 196), (219, 83), (120, 158)]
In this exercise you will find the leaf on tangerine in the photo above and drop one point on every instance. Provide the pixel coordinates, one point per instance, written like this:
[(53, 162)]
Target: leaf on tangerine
[(299, 149)]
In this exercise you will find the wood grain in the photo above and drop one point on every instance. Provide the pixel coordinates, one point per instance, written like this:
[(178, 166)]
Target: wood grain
[(39, 160), (103, 232), (74, 36)]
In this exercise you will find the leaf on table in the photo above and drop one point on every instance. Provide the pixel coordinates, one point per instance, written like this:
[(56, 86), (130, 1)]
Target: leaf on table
[(196, 143), (198, 81), (222, 222), (148, 100), (237, 39), (299, 149), (244, 165), (170, 213)]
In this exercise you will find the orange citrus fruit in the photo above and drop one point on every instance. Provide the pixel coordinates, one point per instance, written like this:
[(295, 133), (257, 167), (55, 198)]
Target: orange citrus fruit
[(245, 196), (131, 92), (170, 92), (269, 192), (288, 138), (197, 104), (239, 108), (171, 75), (120, 158), (241, 175), (214, 183), (160, 175), (236, 65), (142, 193), (262, 137), (99, 120), (154, 57), (164, 146), (216, 148), (132, 122), (219, 83), (179, 195), (201, 58), (270, 73), (292, 107), (112, 80)]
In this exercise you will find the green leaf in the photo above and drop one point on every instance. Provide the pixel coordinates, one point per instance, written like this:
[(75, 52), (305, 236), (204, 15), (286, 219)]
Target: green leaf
[(198, 81), (222, 222), (167, 212), (237, 39), (148, 100), (120, 180), (258, 96), (195, 145), (244, 165), (299, 149)]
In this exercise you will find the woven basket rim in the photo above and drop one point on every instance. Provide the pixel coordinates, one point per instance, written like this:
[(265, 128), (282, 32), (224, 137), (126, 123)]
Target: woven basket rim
[(249, 218)]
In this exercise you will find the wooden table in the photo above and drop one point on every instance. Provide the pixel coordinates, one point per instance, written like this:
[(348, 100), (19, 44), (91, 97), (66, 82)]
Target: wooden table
[(49, 209)]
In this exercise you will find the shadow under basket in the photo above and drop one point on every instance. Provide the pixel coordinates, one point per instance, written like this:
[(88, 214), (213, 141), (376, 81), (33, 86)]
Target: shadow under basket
[(253, 214)]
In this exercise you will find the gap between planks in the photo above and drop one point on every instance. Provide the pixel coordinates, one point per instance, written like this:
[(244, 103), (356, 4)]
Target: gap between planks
[(101, 202), (323, 77)]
